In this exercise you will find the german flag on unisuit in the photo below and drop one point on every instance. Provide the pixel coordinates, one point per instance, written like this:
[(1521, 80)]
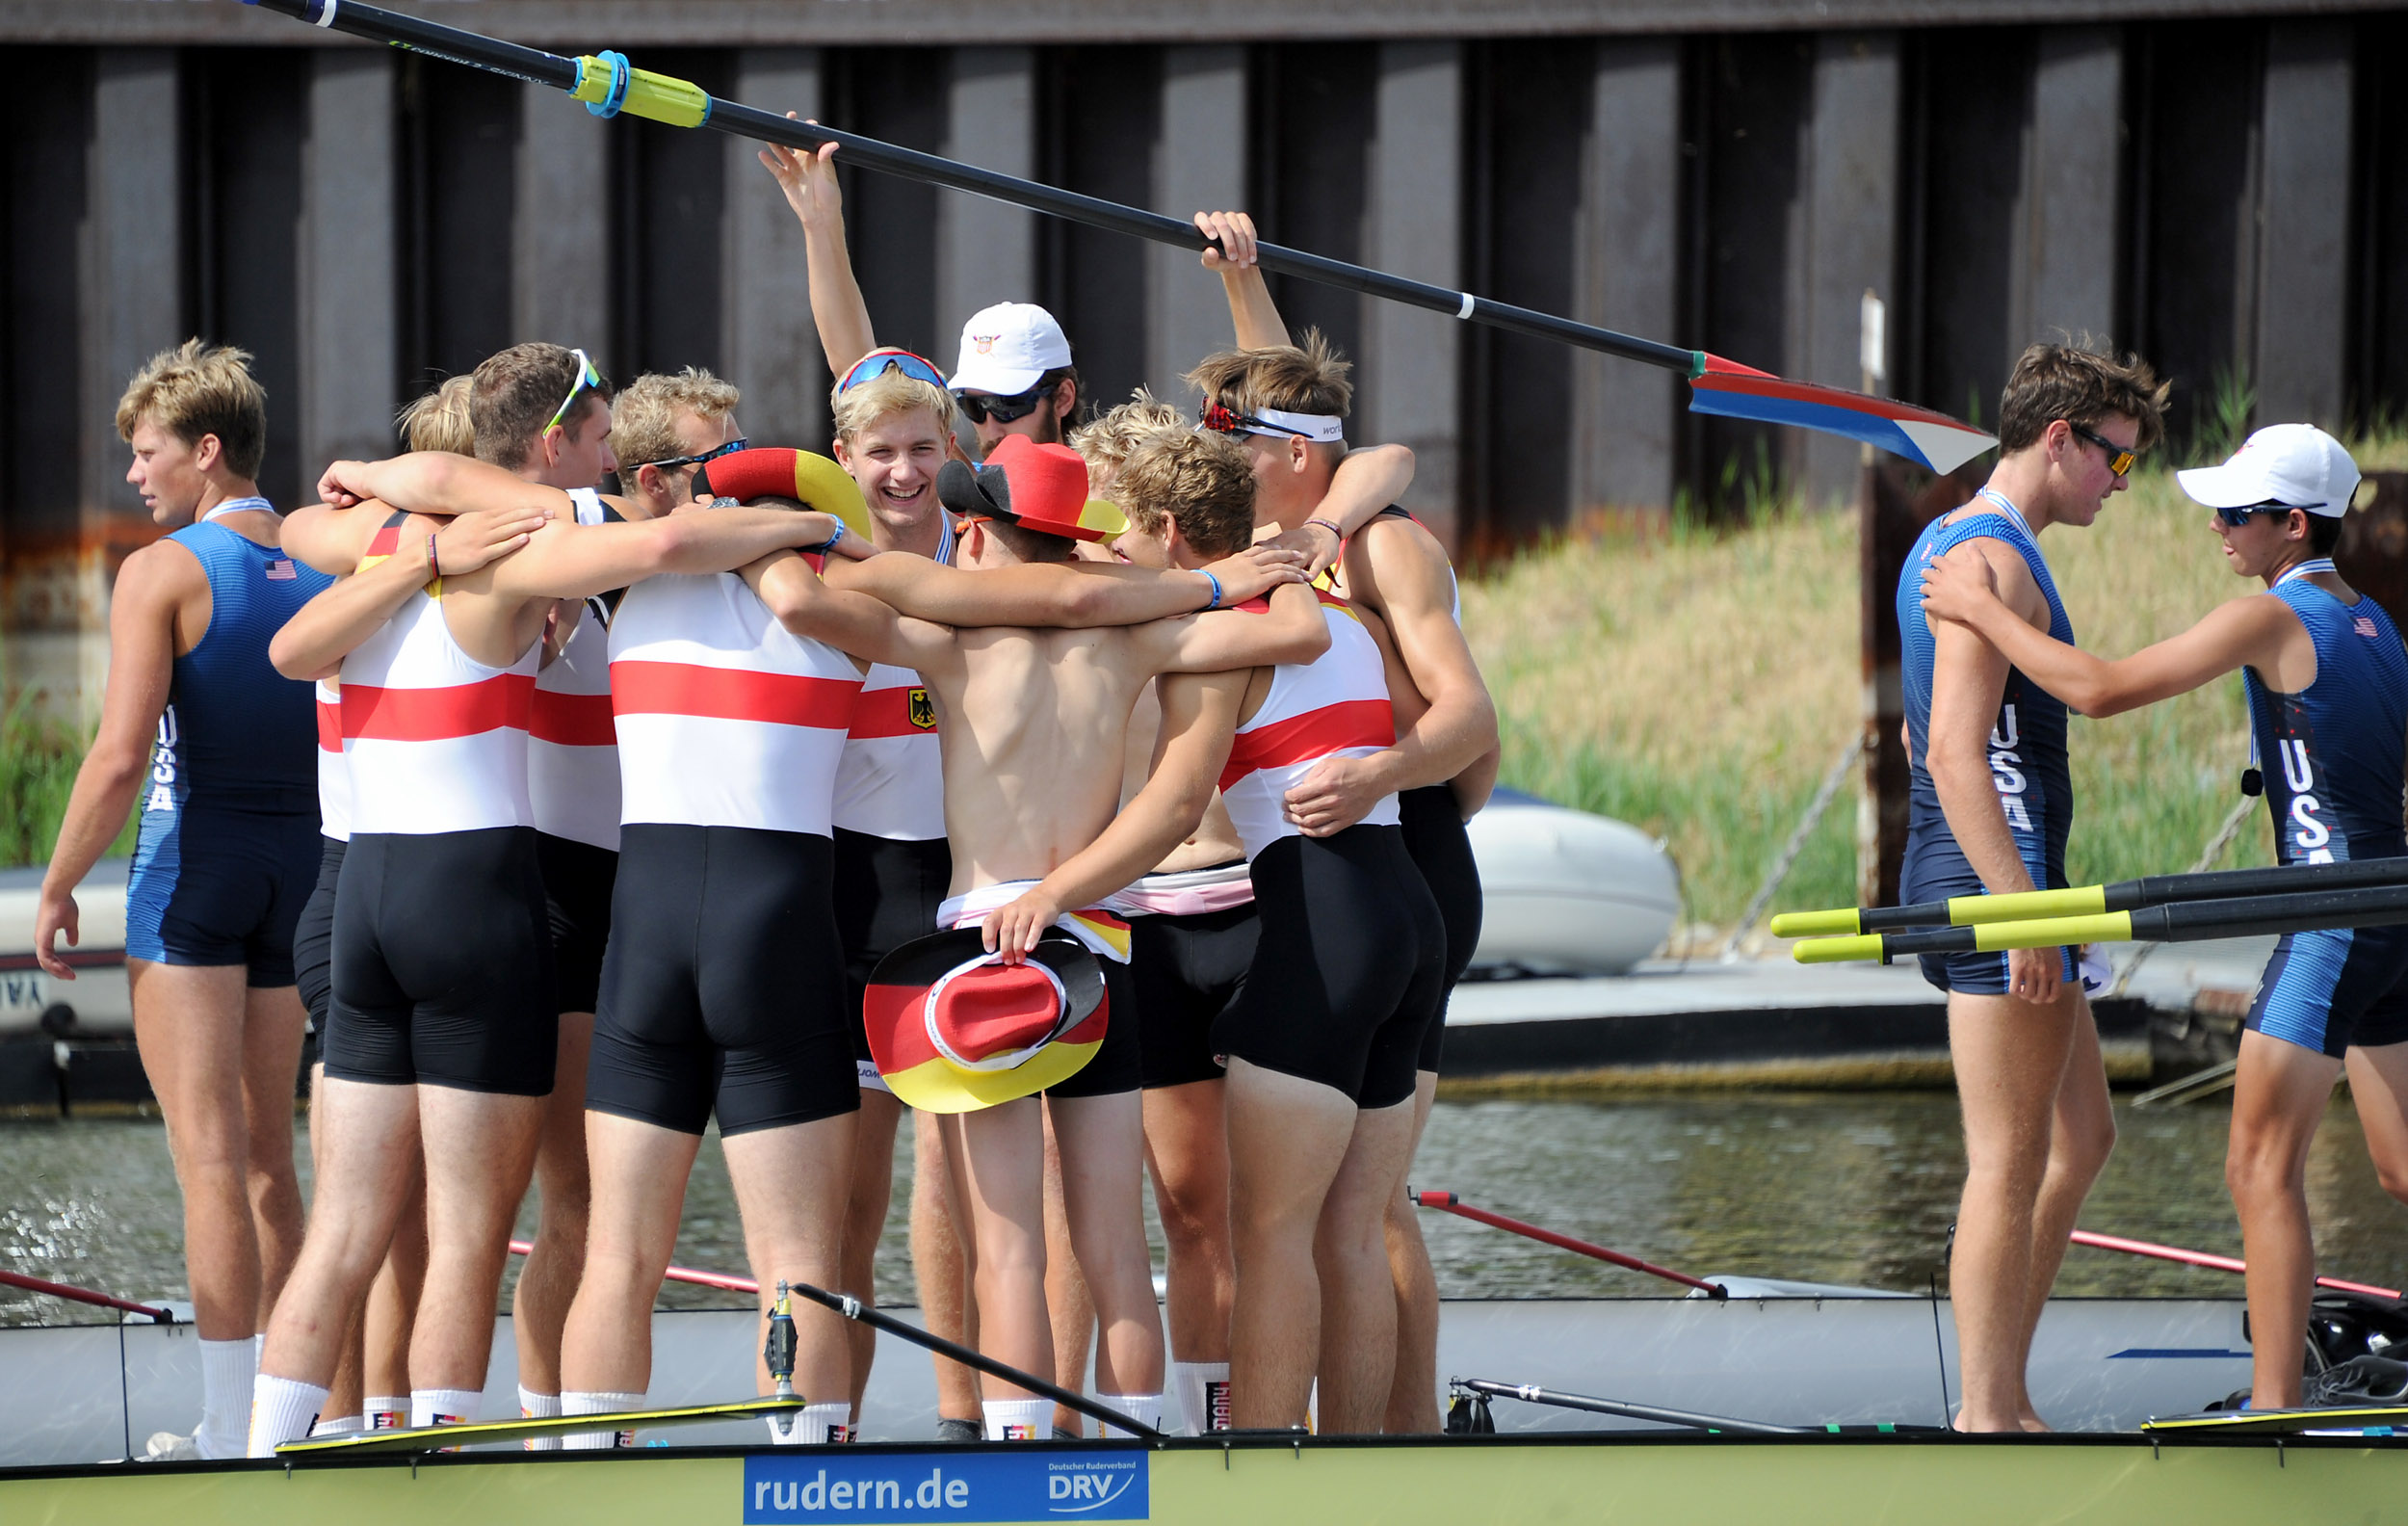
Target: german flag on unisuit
[(953, 1029), (781, 473), (387, 540)]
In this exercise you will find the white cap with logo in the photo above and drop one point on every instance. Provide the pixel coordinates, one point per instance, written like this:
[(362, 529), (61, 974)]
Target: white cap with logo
[(1006, 348), (2297, 465)]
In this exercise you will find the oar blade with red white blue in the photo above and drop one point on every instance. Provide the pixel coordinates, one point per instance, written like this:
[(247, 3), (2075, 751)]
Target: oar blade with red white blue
[(1727, 390)]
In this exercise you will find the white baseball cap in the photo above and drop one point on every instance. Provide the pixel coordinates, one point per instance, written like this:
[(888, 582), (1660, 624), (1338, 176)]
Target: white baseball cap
[(2297, 466), (1006, 348)]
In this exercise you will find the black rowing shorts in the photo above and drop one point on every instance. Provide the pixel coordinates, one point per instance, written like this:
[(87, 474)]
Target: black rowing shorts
[(1349, 970), (1186, 971), (721, 993), (1119, 1064), (1442, 850), (443, 964), (313, 937), (577, 881), (892, 888)]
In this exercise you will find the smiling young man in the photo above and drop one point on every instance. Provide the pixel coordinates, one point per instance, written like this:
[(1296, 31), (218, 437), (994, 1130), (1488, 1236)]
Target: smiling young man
[(219, 750), (2327, 686), (1992, 800)]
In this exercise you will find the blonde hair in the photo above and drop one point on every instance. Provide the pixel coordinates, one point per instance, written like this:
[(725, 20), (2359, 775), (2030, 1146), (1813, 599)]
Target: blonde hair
[(1307, 378), (1107, 440), (195, 390), (1203, 481), (439, 420), (643, 416), (882, 396)]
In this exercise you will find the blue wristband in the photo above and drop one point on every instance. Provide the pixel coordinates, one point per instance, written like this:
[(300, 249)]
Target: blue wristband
[(1215, 583), (829, 544)]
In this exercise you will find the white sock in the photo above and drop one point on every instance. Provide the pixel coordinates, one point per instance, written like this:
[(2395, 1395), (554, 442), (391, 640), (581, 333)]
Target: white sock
[(1146, 1409), (576, 1403), (1203, 1395), (429, 1406), (1018, 1419), (813, 1425), (388, 1412), (227, 1370), (533, 1405), (341, 1425), (282, 1410)]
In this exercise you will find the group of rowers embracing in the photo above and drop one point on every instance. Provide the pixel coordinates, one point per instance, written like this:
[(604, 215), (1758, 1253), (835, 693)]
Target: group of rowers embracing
[(1102, 805)]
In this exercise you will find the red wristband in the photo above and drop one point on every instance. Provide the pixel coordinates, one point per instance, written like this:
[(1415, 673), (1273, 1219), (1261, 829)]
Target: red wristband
[(434, 563)]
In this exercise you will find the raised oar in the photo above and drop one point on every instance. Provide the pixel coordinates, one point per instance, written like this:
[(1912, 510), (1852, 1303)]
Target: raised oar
[(2180, 922), (1447, 1202), (609, 85), (2124, 895)]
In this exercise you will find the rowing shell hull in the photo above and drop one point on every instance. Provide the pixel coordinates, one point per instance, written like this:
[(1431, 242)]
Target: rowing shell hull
[(1709, 1480)]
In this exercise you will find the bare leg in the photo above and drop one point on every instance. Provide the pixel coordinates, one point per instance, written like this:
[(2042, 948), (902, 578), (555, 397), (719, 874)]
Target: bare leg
[(275, 1024), (1103, 1140), (640, 1173), (791, 1186), (367, 1156), (392, 1311), (2081, 1136), (866, 1207), (1413, 1394), (2278, 1099), (540, 1305), (1002, 1164), (1287, 1141), (938, 1266), (1069, 1307), (1358, 1344), (191, 1028), (344, 1396), (1187, 1145), (2378, 1088), (480, 1149), (2010, 1057)]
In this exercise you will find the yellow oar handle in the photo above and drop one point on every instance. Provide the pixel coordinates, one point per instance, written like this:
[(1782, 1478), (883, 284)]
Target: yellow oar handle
[(2107, 927), (1838, 949), (1843, 922), (2079, 901), (609, 85)]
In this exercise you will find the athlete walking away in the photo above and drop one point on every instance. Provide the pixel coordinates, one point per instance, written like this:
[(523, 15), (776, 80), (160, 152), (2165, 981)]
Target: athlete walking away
[(445, 1020), (1991, 803), (216, 750), (2327, 684)]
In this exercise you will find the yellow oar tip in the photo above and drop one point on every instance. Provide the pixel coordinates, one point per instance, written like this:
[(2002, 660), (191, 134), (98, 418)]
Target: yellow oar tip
[(1817, 924), (1838, 949)]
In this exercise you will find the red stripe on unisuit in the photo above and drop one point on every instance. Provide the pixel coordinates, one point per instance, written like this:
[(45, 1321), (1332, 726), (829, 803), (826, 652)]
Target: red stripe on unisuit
[(1315, 735), (732, 694), (573, 719), (887, 713), (436, 715), (330, 726)]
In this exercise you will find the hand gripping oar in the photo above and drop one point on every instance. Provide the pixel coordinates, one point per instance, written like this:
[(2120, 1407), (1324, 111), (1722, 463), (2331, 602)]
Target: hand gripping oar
[(2124, 895), (609, 85), (2178, 922)]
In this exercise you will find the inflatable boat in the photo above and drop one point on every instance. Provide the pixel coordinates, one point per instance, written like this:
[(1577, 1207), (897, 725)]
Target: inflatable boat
[(1567, 892)]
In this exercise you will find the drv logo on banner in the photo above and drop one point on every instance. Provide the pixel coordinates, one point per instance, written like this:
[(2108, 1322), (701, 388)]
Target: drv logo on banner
[(822, 1485)]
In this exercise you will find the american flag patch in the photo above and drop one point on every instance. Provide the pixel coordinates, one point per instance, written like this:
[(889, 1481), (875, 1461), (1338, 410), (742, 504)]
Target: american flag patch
[(281, 571), (2363, 626)]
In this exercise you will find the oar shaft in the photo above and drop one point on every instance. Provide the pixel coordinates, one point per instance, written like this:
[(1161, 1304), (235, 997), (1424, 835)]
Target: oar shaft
[(77, 1295), (1447, 1202), (2174, 922), (1532, 1393), (2123, 895), (682, 104), (2202, 1258)]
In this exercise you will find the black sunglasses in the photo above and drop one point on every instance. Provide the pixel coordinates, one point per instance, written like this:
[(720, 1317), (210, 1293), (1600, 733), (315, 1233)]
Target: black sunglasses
[(728, 449), (2119, 459), (1002, 409), (2241, 516)]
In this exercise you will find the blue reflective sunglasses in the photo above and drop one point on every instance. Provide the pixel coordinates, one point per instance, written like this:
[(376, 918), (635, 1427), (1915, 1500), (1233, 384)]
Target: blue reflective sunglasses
[(877, 363)]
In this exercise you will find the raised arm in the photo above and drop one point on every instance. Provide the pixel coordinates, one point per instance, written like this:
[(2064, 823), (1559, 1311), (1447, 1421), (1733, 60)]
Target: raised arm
[(1251, 312), (151, 587), (2245, 632), (1199, 717), (837, 306), (1061, 594), (1288, 629), (322, 632), (1398, 569)]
